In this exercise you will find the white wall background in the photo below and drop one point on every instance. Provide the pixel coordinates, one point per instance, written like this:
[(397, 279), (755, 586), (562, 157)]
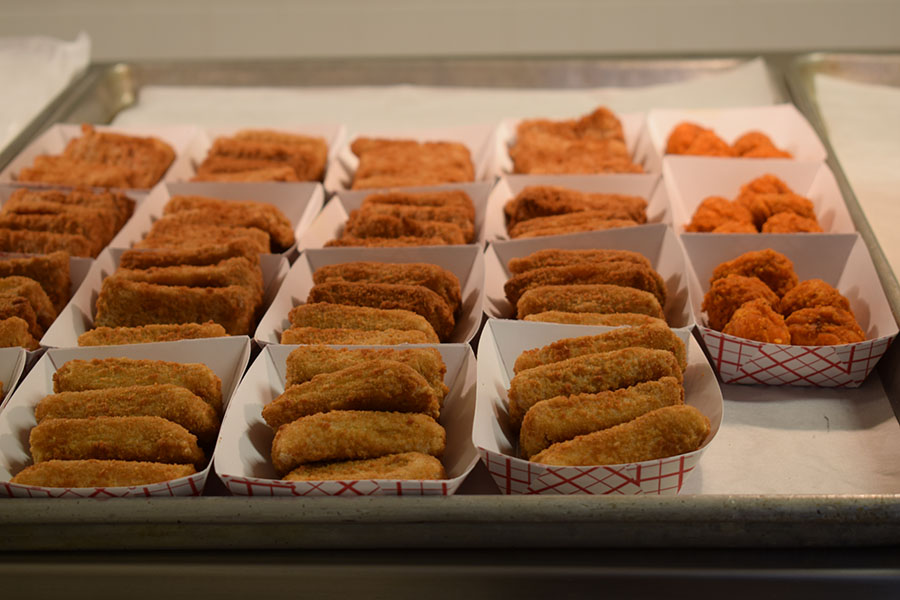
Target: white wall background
[(161, 29)]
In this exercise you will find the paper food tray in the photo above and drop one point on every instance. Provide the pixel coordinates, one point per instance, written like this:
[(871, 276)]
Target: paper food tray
[(243, 459), (783, 123), (657, 242), (54, 140), (466, 262), (227, 358), (479, 139), (840, 260), (500, 344), (78, 316), (643, 185), (12, 365), (299, 202), (689, 180)]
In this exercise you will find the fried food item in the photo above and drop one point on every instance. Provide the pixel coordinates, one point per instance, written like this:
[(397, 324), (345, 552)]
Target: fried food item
[(435, 278), (387, 337), (625, 274), (726, 295), (363, 224), (659, 337), (755, 144), (414, 298), (125, 303), (553, 257), (306, 156), (30, 290), (323, 315), (43, 242), (589, 225), (61, 170), (566, 417), (151, 439), (788, 222), (284, 173), (306, 362), (664, 432), (757, 320), (352, 435), (823, 326), (589, 373), (99, 473), (169, 232), (146, 334), (98, 374), (456, 199), (692, 139), (810, 294), (446, 214), (202, 210), (545, 201), (588, 220), (14, 306), (765, 184), (774, 269), (592, 298), (408, 162), (735, 227), (600, 124), (24, 200), (403, 466), (548, 155), (14, 332), (210, 254), (715, 211), (763, 206), (611, 320), (382, 385), (230, 271), (147, 157), (51, 271), (166, 400), (379, 242), (64, 224)]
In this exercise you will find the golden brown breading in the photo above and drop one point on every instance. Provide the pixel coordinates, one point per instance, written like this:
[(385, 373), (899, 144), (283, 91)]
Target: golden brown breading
[(61, 170), (757, 320), (273, 173), (14, 332), (75, 202), (735, 227), (664, 432), (765, 184), (588, 220), (99, 473), (231, 271), (307, 156), (44, 242), (715, 211), (625, 274), (170, 233), (545, 201), (566, 417), (548, 155), (788, 222), (92, 226), (207, 254), (323, 315), (363, 224), (589, 373), (14, 306), (146, 334), (342, 336), (593, 298), (147, 157), (407, 162), (726, 295), (201, 210), (446, 214), (774, 269), (457, 199), (812, 293), (823, 326), (354, 434), (553, 257), (610, 320), (755, 144), (377, 242), (51, 271), (403, 466), (689, 138), (763, 206), (30, 290)]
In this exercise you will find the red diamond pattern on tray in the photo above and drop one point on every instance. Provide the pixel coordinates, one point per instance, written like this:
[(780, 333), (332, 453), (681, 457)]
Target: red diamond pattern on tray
[(249, 486), (190, 486)]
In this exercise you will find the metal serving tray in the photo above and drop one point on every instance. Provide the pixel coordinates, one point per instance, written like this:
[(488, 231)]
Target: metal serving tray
[(467, 520)]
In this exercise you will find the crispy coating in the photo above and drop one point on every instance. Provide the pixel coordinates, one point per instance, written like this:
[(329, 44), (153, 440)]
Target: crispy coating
[(788, 222), (51, 271), (690, 138), (566, 417), (765, 184), (550, 155), (592, 298), (377, 384), (125, 303), (757, 320), (735, 227), (424, 176), (363, 224), (726, 295), (589, 373), (323, 315), (352, 435), (407, 162), (664, 432), (210, 254), (659, 337), (166, 400), (457, 199), (14, 332), (446, 214), (810, 294), (44, 242), (611, 320), (715, 211), (305, 155), (61, 170), (90, 226), (147, 157), (588, 220), (763, 206), (545, 201), (101, 373), (306, 362), (435, 278), (16, 307), (231, 271), (30, 290), (823, 326), (755, 144), (152, 439), (171, 233), (378, 242), (99, 473), (602, 123), (625, 274), (146, 334), (403, 466), (553, 257), (268, 173), (343, 336), (414, 298), (212, 211), (774, 269), (589, 225), (24, 200)]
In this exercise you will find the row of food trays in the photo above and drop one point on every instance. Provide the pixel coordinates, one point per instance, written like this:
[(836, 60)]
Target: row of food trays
[(595, 251)]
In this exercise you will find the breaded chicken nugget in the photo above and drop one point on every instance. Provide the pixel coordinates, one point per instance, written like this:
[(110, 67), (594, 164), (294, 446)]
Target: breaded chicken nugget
[(594, 298), (715, 211), (404, 466), (444, 198), (210, 254), (664, 432), (172, 233), (763, 206), (755, 144), (823, 326), (146, 334), (566, 417), (14, 332), (659, 337), (378, 242), (166, 400), (774, 269), (16, 307), (625, 274), (360, 337), (735, 227), (570, 220), (99, 473), (384, 385), (690, 138), (589, 373), (30, 290), (757, 320), (611, 320), (323, 315), (545, 201), (212, 211), (559, 258), (765, 184), (810, 294), (152, 439), (44, 242), (726, 295), (352, 435), (51, 271), (788, 222), (97, 374), (363, 224)]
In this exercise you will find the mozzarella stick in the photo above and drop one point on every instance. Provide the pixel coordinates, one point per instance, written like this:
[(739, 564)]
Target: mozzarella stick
[(324, 315), (99, 473), (625, 274), (559, 258), (610, 320), (145, 334), (30, 290), (352, 337), (593, 298), (403, 466)]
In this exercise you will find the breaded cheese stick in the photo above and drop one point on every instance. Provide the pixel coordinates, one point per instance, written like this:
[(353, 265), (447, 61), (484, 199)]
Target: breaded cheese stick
[(14, 332), (44, 242), (625, 274), (166, 400), (383, 385), (352, 435), (589, 222), (16, 307), (594, 298), (610, 320), (99, 373), (51, 271), (447, 214), (324, 315), (231, 271), (590, 373), (203, 210), (99, 473), (169, 232), (152, 439), (97, 230), (647, 336), (30, 290), (444, 198), (566, 417), (209, 254), (662, 433), (363, 224), (349, 241), (552, 257), (145, 334), (358, 337), (405, 466)]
